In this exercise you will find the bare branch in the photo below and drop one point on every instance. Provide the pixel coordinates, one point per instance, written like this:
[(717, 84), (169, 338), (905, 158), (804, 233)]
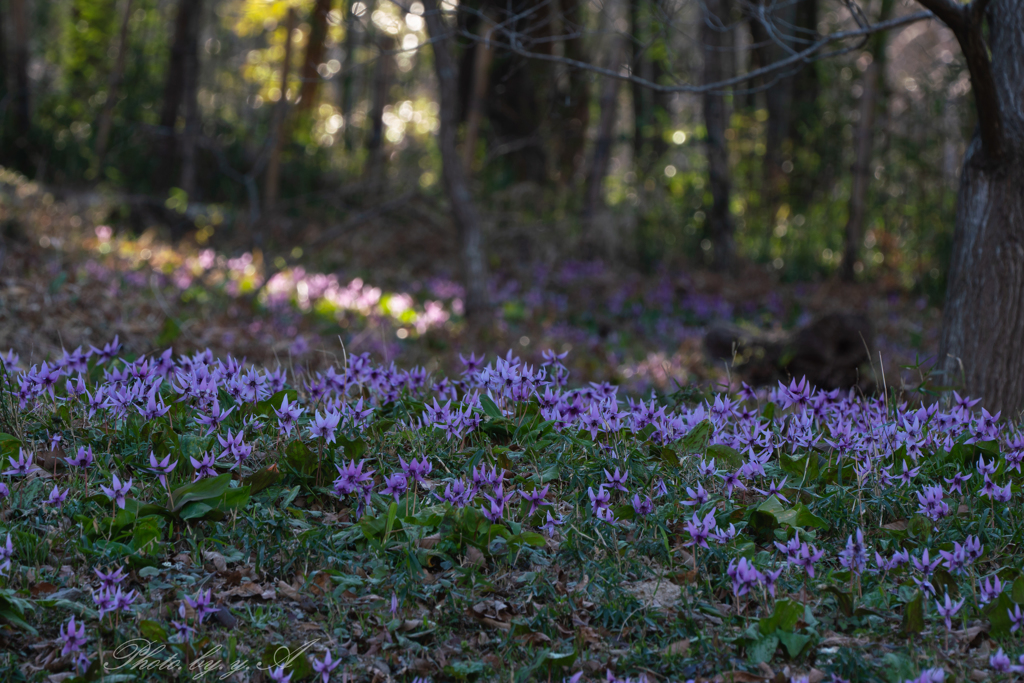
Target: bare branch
[(948, 12), (795, 61)]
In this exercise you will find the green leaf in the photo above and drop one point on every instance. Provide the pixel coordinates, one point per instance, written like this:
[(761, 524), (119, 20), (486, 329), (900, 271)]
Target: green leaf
[(726, 454), (785, 617), (793, 642), (258, 481), (696, 440), (998, 614), (1017, 592), (913, 615), (763, 649), (13, 609), (300, 457), (152, 631), (198, 510), (490, 408), (353, 449), (800, 516), (204, 489), (843, 599)]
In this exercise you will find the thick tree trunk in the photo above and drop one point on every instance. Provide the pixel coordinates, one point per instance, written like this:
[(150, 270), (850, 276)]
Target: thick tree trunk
[(113, 85), (314, 55), (456, 184), (865, 143), (184, 49), (649, 107), (720, 226), (21, 121), (982, 341)]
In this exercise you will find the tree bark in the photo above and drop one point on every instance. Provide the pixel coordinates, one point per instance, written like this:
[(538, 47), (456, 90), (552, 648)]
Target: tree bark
[(190, 109), (865, 143), (649, 107), (314, 55), (347, 91), (456, 185), (374, 172), (484, 55), (982, 340), (601, 154), (21, 121), (113, 85), (574, 105), (184, 48), (720, 226), (272, 180)]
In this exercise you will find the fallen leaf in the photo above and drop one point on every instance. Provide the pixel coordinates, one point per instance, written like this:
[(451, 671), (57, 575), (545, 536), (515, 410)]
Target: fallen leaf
[(900, 525), (474, 557), (680, 647), (288, 591), (216, 559), (42, 588)]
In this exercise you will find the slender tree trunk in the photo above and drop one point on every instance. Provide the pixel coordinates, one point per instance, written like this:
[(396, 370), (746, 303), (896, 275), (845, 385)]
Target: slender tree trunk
[(982, 340), (649, 107), (381, 84), (456, 185), (113, 85), (20, 92), (272, 180), (347, 90), (192, 124), (482, 58), (865, 144), (720, 226), (574, 109), (601, 154), (314, 55), (183, 49), (4, 92)]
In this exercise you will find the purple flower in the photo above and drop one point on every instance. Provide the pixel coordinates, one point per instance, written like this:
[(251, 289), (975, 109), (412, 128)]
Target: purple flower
[(956, 483), (617, 481), (162, 467), (1000, 662), (351, 478), (990, 590), (535, 498), (203, 467), (278, 675), (731, 480), (73, 637), (775, 489), (23, 465), (325, 666), (1016, 618), (908, 474), (807, 557), (57, 497), (117, 491), (948, 610), (743, 575), (698, 497), (202, 604), (599, 500), (215, 418), (930, 503), (395, 485), (417, 471), (83, 458), (287, 416), (700, 529), (642, 507), (855, 556), (110, 580), (182, 628), (324, 426)]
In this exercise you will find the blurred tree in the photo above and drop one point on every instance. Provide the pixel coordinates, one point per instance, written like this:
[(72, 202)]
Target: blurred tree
[(572, 113), (374, 169), (864, 146), (106, 117), (720, 227), (347, 82), (180, 84), (483, 56), (279, 126), (315, 46), (650, 107), (21, 120), (456, 184)]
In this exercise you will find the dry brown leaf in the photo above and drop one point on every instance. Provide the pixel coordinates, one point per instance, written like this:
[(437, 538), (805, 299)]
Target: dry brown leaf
[(680, 647), (288, 591), (321, 584), (42, 588), (899, 525), (738, 677), (245, 590), (429, 541), (216, 559), (474, 557), (494, 623)]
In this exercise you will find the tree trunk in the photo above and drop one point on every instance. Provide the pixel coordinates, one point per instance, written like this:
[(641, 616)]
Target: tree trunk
[(597, 168), (3, 69), (649, 107), (456, 184), (347, 91), (21, 121), (183, 50), (574, 105), (272, 180), (982, 341), (484, 55), (314, 55), (720, 225), (113, 85), (865, 142), (374, 172)]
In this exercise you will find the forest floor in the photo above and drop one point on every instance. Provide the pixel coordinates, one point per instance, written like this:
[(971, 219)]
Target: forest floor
[(390, 288), (480, 523)]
